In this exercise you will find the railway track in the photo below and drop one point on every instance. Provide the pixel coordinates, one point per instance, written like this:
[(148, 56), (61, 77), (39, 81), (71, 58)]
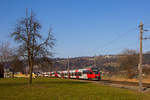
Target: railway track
[(124, 83), (127, 83)]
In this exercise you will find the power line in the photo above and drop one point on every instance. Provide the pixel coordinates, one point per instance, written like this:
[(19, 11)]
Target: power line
[(116, 39), (129, 45), (113, 41), (119, 37)]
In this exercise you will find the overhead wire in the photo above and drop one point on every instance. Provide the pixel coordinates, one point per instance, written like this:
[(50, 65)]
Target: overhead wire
[(124, 34), (105, 47)]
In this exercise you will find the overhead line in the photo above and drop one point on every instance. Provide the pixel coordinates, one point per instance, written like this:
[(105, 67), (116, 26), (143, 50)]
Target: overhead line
[(118, 38)]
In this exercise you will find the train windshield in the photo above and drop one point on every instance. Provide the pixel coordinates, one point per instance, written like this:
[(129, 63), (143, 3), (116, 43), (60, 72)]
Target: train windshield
[(95, 70)]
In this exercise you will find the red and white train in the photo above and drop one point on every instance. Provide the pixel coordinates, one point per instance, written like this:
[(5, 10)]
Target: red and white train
[(90, 73)]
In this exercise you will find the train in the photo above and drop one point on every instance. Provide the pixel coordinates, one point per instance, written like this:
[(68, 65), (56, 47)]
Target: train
[(88, 73)]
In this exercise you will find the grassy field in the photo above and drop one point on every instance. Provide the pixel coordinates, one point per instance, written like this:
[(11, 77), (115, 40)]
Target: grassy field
[(63, 89)]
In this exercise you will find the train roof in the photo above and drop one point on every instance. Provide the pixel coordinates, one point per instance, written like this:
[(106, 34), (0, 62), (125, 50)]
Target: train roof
[(81, 69)]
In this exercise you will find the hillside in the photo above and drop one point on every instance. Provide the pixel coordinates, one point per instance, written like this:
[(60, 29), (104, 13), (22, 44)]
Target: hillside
[(105, 63)]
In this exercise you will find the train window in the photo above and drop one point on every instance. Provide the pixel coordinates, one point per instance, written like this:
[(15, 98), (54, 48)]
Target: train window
[(76, 74), (84, 72), (89, 72), (96, 72), (79, 73)]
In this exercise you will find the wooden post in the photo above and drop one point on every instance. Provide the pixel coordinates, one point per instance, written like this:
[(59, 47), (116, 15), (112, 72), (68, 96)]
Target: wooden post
[(140, 57)]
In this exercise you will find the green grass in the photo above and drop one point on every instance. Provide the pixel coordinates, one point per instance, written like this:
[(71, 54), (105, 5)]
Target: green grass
[(63, 89)]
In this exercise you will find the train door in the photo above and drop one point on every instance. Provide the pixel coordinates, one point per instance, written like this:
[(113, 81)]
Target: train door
[(76, 74), (84, 74)]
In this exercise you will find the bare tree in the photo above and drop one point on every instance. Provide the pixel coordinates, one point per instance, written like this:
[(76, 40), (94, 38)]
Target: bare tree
[(5, 56), (128, 62), (5, 52), (128, 52), (9, 57), (32, 46)]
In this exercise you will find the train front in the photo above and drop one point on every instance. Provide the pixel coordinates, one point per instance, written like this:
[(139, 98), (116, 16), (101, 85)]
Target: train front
[(95, 73)]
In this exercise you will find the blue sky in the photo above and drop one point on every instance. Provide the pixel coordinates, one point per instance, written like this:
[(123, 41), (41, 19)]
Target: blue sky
[(82, 27)]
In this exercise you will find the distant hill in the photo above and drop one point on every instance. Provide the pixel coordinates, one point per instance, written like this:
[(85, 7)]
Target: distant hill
[(106, 62)]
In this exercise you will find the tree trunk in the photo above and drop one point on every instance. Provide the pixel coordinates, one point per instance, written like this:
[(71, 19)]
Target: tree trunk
[(13, 74), (31, 70)]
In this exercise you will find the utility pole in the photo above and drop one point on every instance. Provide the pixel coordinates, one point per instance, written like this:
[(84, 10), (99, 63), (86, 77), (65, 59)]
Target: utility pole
[(95, 60), (140, 57), (68, 68)]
